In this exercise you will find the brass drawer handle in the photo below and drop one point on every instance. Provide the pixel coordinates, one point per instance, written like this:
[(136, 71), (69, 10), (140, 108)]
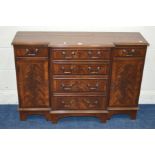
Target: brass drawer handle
[(66, 56), (93, 88), (32, 52), (90, 54), (68, 104), (64, 87), (94, 71), (67, 71), (129, 52), (64, 104), (91, 104)]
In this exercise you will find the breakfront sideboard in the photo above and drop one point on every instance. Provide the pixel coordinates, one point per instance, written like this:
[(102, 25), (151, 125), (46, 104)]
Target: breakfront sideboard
[(62, 74)]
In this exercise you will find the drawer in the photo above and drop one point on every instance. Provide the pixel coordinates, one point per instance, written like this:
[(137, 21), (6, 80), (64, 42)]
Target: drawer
[(73, 69), (81, 54), (78, 102), (130, 52), (31, 52), (79, 85)]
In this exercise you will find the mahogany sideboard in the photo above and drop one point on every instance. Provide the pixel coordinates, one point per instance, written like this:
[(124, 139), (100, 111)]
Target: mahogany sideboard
[(62, 74)]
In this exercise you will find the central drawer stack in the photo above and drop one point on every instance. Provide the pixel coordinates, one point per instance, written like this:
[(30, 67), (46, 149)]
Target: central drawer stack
[(80, 78)]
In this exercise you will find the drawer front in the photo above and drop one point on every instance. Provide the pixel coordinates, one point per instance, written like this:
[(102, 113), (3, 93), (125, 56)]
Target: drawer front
[(130, 52), (81, 54), (87, 69), (78, 102), (31, 52), (79, 85)]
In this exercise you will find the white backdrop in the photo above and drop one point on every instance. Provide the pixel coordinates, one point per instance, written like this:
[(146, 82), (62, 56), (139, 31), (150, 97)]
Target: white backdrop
[(91, 15), (8, 92)]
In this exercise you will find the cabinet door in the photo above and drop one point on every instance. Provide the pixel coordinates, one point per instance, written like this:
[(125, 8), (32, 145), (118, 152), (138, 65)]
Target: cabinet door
[(32, 76), (126, 81)]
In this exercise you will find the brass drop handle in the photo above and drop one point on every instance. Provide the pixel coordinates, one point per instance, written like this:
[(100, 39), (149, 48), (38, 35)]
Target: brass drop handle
[(69, 103), (88, 101), (68, 57), (91, 104), (65, 70), (32, 52), (64, 104), (94, 71), (93, 88), (94, 104), (90, 54), (64, 87), (129, 52)]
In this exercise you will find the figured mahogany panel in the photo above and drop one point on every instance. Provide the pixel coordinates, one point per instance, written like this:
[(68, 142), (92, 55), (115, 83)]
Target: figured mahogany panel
[(79, 85), (33, 85), (79, 102), (80, 69), (75, 54), (125, 82)]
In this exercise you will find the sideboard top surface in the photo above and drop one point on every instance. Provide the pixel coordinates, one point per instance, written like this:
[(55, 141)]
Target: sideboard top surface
[(78, 39)]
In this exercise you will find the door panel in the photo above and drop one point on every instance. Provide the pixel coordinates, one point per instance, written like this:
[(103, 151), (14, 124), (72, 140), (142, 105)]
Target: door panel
[(126, 81), (33, 83)]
